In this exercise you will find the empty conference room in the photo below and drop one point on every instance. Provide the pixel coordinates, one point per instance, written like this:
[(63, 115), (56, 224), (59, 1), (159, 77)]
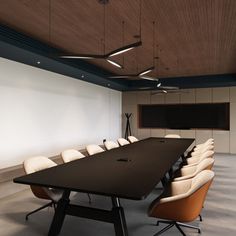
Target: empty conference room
[(118, 117)]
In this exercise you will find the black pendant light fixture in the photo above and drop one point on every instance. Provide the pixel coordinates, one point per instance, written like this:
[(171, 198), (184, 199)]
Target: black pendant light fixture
[(109, 60), (106, 56), (142, 74), (158, 86)]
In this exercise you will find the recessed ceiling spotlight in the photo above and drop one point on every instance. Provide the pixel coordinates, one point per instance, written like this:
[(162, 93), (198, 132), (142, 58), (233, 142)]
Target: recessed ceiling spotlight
[(82, 76), (38, 62), (108, 85)]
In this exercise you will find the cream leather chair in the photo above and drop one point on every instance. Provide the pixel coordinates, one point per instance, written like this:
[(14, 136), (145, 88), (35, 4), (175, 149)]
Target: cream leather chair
[(191, 171), (172, 136), (34, 164), (122, 141), (94, 149), (202, 150), (208, 145), (182, 202), (210, 140), (110, 145), (195, 160), (71, 155), (132, 139), (202, 145)]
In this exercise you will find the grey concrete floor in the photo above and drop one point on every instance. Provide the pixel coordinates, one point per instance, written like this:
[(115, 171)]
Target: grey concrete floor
[(219, 213)]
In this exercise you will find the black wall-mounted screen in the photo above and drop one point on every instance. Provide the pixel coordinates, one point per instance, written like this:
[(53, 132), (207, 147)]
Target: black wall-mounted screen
[(185, 116)]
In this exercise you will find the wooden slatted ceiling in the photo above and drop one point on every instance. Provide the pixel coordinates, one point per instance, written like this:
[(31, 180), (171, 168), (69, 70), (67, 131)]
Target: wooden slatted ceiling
[(193, 37)]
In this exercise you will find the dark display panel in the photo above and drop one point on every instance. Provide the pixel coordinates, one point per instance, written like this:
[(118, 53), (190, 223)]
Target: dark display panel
[(185, 116)]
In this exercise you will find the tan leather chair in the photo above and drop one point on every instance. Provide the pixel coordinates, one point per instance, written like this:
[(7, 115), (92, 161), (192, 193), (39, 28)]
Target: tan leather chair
[(191, 171), (195, 160), (132, 139), (123, 141), (93, 149), (34, 164), (172, 136), (182, 202), (110, 145), (71, 155)]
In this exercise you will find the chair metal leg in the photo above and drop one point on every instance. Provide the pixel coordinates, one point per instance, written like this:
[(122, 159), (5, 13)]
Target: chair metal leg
[(54, 205), (89, 197), (183, 157), (200, 217), (190, 226), (164, 180), (177, 224), (180, 230), (38, 209), (164, 222), (171, 172), (165, 229)]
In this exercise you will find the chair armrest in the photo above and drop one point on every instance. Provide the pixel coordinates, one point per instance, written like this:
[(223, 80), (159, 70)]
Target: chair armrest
[(176, 188), (184, 177), (187, 170), (192, 160)]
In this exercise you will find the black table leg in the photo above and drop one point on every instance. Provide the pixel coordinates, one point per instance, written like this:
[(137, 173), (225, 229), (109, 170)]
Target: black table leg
[(119, 218), (59, 215)]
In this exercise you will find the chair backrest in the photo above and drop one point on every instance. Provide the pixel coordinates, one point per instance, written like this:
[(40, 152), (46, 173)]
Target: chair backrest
[(197, 159), (122, 141), (203, 145), (200, 179), (110, 145), (192, 171), (37, 163), (132, 139), (202, 150), (205, 164), (94, 149), (34, 164), (172, 136), (71, 155), (210, 140)]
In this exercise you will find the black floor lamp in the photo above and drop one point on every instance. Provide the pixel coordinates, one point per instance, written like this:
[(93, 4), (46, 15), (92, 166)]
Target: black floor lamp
[(127, 128)]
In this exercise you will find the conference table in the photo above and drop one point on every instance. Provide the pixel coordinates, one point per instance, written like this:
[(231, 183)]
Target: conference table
[(129, 172)]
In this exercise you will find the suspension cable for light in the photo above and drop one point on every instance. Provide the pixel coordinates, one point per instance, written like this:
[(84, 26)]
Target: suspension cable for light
[(105, 56)]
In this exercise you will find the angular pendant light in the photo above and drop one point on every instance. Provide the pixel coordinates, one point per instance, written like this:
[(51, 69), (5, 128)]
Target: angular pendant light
[(146, 71), (142, 74), (105, 56), (114, 63), (124, 49)]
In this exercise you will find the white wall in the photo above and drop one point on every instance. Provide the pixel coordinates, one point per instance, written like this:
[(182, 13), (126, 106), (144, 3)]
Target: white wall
[(224, 140), (42, 113)]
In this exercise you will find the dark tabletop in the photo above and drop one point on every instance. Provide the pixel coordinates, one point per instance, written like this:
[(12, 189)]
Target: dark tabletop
[(131, 171)]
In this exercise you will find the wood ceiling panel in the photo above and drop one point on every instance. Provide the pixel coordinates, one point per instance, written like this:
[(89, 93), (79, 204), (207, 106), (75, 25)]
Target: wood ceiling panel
[(27, 16), (193, 37)]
